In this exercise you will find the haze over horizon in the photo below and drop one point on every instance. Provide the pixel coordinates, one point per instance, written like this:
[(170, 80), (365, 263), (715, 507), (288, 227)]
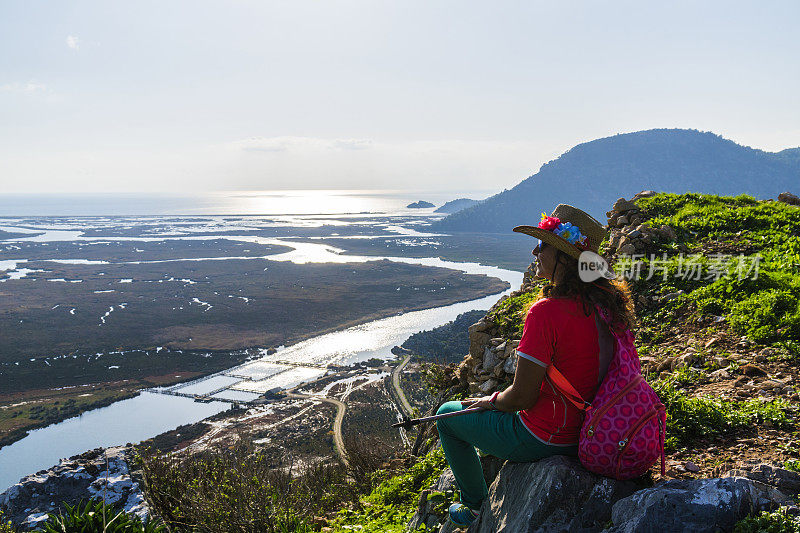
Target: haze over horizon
[(210, 96)]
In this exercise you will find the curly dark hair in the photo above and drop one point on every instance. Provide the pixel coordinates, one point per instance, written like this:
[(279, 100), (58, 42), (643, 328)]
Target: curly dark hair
[(613, 295)]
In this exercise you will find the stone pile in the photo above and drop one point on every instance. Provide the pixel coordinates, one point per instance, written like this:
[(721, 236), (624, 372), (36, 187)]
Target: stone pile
[(492, 360), (629, 232)]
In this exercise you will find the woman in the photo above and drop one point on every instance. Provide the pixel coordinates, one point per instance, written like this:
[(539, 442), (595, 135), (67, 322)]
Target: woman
[(530, 419)]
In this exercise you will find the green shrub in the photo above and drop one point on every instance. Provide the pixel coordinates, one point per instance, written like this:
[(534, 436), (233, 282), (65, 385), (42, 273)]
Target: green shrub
[(5, 525), (692, 419), (774, 522), (96, 516), (767, 308), (389, 506), (509, 314)]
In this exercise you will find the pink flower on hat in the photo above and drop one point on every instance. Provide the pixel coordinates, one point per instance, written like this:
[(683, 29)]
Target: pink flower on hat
[(549, 223)]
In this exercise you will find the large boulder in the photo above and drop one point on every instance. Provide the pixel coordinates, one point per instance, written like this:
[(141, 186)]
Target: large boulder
[(699, 505), (554, 494)]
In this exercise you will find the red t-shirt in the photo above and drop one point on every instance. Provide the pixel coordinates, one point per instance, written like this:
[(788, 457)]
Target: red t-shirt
[(558, 331)]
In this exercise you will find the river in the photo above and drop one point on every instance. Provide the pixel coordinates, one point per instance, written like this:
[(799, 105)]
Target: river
[(149, 414)]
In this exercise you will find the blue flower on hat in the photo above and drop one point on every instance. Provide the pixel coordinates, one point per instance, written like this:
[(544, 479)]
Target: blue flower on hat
[(569, 233)]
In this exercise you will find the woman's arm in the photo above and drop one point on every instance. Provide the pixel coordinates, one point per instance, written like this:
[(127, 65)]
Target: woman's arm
[(522, 393)]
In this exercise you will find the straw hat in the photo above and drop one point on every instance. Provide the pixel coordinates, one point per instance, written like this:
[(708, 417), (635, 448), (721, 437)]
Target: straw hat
[(569, 229)]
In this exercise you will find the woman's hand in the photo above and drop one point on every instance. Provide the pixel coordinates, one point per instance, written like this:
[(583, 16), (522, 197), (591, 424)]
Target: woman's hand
[(478, 402)]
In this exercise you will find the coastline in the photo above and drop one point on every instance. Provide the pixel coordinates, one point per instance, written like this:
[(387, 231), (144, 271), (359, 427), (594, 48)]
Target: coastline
[(496, 286)]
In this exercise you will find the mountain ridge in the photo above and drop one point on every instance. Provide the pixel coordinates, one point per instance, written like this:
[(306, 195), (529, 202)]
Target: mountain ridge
[(593, 174)]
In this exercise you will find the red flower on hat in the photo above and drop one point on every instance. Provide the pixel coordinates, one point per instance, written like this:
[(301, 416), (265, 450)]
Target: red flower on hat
[(549, 223)]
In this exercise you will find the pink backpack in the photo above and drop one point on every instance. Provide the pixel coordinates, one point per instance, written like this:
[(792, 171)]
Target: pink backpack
[(624, 427)]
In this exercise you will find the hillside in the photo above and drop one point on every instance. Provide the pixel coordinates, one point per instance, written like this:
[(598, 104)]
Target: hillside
[(721, 348), (594, 174)]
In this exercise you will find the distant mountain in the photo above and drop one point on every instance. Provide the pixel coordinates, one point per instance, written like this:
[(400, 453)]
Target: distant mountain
[(454, 206), (422, 204), (592, 175)]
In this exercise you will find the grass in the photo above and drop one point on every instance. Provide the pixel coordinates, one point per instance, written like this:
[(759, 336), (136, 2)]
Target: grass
[(390, 505), (509, 315), (756, 247), (692, 420), (769, 522)]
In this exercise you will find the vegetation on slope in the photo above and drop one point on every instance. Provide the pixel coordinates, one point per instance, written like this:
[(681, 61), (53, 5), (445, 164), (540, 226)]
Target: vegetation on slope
[(716, 419)]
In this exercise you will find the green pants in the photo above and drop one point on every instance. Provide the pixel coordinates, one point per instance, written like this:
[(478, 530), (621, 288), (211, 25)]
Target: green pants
[(494, 432)]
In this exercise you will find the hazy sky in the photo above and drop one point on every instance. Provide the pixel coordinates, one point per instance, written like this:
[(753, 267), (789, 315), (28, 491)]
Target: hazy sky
[(167, 96)]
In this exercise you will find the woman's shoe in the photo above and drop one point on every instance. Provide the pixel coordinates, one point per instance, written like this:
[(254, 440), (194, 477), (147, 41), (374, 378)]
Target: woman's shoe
[(461, 515)]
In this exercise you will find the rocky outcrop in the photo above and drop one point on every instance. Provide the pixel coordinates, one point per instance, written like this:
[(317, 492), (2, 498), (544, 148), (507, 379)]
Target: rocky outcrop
[(554, 494), (97, 474), (788, 198), (629, 232), (557, 494), (698, 505), (492, 360)]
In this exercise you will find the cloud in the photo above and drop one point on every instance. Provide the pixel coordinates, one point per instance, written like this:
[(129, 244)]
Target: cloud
[(299, 144), (73, 42), (24, 88)]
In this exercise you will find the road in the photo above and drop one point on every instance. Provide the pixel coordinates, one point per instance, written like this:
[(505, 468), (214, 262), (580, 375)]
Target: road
[(405, 407), (338, 441)]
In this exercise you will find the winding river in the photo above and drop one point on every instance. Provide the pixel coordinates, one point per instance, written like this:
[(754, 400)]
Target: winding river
[(149, 414)]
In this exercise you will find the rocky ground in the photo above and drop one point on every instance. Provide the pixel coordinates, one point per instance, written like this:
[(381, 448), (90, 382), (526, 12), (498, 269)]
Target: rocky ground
[(96, 474)]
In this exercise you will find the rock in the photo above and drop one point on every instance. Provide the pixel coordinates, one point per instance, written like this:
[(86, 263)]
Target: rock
[(671, 295), (666, 364), (643, 194), (721, 361), (498, 371), (710, 342), (769, 384), (648, 363), (490, 359), (622, 205), (481, 325), (788, 198), (510, 365), (691, 467), (511, 347), (687, 359), (699, 506), (477, 341), (554, 494), (753, 370), (635, 234), (780, 478), (622, 221), (81, 477), (720, 375), (489, 385), (627, 249)]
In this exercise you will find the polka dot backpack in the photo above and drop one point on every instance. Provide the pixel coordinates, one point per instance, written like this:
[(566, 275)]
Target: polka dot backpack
[(624, 426)]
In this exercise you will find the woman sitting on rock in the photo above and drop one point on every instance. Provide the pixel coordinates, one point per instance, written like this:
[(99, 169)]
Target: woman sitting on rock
[(530, 419)]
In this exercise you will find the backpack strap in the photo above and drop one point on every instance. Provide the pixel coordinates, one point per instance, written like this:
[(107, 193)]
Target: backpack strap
[(565, 387)]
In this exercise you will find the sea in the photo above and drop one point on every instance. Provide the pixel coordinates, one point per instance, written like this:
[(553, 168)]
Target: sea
[(266, 202)]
